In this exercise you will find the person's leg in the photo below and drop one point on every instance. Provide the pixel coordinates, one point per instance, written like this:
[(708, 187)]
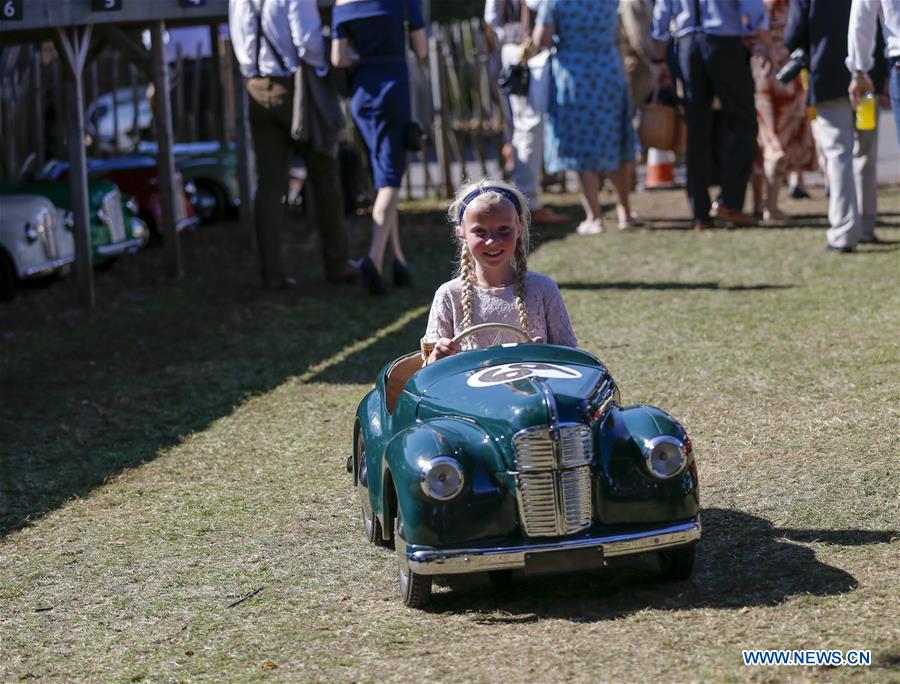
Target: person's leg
[(895, 91), (758, 182), (272, 145), (384, 211), (589, 189), (865, 152), (774, 181), (698, 116), (728, 66), (834, 133), (620, 180), (327, 194)]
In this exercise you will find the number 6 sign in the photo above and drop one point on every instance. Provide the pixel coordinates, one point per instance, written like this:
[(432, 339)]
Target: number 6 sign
[(12, 10)]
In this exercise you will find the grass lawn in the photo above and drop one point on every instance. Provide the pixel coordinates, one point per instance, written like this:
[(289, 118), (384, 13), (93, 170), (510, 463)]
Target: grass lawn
[(174, 504)]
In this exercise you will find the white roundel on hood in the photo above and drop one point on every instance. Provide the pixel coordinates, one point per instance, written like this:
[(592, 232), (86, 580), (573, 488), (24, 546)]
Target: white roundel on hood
[(510, 372)]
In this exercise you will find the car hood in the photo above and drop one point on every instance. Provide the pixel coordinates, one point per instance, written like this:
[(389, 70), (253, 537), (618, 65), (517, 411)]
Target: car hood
[(506, 389)]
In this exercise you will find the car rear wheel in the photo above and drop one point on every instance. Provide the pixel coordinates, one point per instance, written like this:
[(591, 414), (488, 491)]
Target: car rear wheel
[(371, 526), (415, 589), (678, 563), (212, 201)]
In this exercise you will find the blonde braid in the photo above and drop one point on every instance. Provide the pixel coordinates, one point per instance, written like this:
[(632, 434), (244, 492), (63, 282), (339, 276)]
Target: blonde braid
[(521, 270), (467, 294)]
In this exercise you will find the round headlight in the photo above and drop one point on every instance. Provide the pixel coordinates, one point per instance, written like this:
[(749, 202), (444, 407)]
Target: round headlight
[(132, 206), (441, 478), (665, 456), (69, 220), (31, 232)]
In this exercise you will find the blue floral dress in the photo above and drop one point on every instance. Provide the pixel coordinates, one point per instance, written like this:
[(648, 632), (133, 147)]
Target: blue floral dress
[(588, 123)]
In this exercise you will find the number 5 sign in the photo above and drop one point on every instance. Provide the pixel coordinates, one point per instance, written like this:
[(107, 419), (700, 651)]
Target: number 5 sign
[(106, 5), (12, 10)]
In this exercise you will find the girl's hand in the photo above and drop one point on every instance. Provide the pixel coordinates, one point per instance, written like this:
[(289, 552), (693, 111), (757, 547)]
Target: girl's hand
[(443, 347)]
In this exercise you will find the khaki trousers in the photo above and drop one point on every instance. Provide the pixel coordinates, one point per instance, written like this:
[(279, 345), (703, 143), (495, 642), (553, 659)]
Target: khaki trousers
[(271, 101)]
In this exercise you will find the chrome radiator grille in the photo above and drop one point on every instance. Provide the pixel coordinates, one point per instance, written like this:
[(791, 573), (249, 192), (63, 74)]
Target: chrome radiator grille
[(112, 216), (554, 479)]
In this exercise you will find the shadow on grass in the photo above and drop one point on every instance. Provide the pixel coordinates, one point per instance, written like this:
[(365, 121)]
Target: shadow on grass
[(742, 561), (84, 396), (668, 285)]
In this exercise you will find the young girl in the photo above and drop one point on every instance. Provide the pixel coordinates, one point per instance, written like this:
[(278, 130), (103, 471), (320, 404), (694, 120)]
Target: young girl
[(494, 284)]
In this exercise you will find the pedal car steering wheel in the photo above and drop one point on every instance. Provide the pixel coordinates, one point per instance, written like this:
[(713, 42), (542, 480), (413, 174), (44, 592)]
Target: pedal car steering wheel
[(471, 330)]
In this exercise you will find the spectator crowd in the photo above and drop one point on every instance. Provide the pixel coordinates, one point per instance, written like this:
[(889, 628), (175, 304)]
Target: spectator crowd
[(767, 90)]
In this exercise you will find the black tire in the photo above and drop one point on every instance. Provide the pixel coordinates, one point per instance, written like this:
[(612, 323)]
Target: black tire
[(371, 525), (219, 209), (677, 563), (8, 280), (415, 589)]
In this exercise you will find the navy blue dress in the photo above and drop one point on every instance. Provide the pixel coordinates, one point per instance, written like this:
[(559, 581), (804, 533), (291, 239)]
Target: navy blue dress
[(380, 83)]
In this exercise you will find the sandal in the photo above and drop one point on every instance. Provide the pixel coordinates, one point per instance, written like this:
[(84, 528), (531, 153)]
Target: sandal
[(591, 227)]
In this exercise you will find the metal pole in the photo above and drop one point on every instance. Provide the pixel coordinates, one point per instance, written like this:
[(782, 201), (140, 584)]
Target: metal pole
[(165, 160)]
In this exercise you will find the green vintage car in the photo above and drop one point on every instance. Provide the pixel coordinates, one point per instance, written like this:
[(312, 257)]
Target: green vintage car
[(519, 458), (115, 227)]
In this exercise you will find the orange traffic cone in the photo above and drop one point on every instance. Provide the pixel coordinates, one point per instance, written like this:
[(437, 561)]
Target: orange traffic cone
[(660, 169)]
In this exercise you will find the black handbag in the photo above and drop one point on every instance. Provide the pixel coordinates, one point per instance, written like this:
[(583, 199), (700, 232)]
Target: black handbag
[(515, 79), (414, 136)]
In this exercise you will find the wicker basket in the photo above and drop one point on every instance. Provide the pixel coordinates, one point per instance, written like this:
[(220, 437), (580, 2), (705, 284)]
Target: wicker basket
[(660, 126)]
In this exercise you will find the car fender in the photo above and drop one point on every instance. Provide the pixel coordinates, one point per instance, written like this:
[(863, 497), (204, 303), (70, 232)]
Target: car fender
[(624, 490), (485, 507)]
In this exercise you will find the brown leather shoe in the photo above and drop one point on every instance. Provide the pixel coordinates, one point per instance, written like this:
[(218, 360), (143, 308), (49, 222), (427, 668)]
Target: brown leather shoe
[(738, 218), (547, 215)]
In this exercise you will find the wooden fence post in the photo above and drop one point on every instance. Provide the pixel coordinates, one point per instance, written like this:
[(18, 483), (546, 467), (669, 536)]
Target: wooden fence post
[(165, 160), (441, 116), (73, 46), (243, 152)]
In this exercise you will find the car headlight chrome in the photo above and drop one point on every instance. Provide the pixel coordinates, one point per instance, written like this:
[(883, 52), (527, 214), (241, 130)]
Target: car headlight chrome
[(665, 456), (31, 232), (138, 228), (69, 220), (441, 478), (132, 206)]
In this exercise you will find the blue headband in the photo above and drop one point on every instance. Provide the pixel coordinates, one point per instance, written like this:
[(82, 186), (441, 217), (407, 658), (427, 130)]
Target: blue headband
[(508, 194)]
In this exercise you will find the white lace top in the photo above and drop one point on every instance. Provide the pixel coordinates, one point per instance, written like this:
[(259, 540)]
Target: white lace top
[(547, 313)]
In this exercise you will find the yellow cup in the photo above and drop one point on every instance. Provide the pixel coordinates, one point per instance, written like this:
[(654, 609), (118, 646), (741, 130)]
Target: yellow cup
[(865, 113)]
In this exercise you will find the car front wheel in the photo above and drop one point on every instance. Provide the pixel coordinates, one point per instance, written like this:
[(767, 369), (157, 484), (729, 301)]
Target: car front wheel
[(678, 563), (415, 589)]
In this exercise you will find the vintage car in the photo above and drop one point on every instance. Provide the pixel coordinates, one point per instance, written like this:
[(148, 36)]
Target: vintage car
[(518, 458), (213, 171), (33, 243), (136, 176), (116, 228)]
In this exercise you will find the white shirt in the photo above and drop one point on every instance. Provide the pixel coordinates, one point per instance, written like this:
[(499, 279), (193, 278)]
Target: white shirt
[(864, 15), (547, 313), (293, 27)]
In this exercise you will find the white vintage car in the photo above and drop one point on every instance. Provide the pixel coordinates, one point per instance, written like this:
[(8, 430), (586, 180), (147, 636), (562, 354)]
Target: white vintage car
[(33, 242)]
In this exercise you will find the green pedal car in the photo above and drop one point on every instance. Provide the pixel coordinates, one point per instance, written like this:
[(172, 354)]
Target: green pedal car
[(518, 458)]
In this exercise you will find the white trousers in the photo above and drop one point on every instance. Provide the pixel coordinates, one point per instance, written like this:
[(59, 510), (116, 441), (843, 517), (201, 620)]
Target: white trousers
[(527, 137), (850, 157)]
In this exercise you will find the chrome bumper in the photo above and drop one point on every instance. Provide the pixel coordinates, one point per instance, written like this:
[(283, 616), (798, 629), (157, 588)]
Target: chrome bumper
[(47, 267), (457, 561), (132, 245)]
